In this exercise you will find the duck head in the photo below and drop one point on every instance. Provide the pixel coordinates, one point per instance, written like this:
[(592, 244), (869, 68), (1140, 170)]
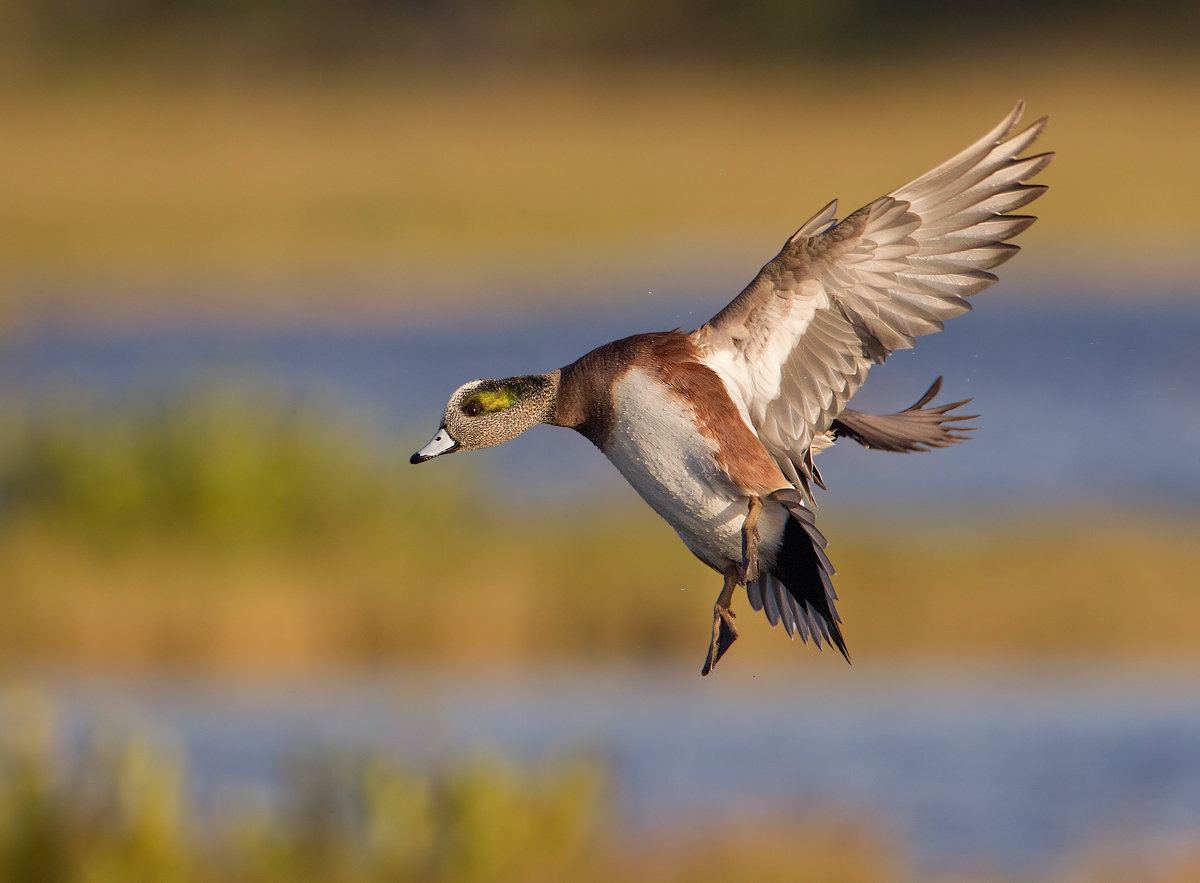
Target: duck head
[(484, 413)]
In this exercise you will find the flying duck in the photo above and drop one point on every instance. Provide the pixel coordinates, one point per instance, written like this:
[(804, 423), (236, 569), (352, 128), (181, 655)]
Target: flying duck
[(717, 428)]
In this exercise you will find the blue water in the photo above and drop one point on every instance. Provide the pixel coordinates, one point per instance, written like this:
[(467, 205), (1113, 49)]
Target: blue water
[(1085, 395), (1021, 772)]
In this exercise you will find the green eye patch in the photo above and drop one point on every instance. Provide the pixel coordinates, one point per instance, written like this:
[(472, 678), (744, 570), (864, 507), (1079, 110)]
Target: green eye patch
[(489, 400)]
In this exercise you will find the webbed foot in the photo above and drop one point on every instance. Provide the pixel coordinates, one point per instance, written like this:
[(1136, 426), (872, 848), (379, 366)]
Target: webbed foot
[(724, 632), (723, 636)]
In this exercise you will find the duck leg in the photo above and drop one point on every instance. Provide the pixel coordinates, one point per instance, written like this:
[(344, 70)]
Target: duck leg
[(723, 633), (750, 541)]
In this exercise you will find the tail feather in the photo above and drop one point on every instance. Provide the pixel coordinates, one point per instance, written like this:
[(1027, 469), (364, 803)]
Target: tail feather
[(916, 428), (804, 569)]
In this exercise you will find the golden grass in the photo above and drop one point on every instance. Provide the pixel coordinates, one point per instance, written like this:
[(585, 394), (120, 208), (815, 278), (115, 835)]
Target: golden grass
[(1070, 586), (614, 587), (374, 177), (771, 846)]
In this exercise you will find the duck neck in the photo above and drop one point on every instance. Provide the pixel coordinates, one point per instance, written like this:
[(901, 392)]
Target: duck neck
[(546, 398), (582, 399)]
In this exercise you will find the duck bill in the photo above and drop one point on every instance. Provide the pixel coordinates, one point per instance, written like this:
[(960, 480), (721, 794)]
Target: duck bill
[(441, 443)]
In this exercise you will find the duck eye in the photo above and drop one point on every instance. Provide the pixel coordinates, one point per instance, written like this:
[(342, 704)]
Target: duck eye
[(471, 409)]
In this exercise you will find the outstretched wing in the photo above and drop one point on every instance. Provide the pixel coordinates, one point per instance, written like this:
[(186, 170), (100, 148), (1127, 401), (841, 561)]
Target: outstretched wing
[(800, 340)]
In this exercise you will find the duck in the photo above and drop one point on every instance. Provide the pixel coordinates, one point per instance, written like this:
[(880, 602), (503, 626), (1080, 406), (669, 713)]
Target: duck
[(717, 428)]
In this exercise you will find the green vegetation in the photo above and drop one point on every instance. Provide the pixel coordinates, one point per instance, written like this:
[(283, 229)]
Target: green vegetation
[(123, 811), (229, 531), (218, 466)]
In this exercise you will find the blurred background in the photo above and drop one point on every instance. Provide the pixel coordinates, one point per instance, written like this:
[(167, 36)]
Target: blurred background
[(248, 249)]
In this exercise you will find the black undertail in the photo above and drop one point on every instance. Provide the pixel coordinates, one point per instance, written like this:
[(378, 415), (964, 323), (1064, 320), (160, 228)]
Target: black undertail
[(803, 571)]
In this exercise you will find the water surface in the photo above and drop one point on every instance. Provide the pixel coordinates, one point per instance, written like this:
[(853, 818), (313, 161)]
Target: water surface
[(1022, 772), (1083, 395)]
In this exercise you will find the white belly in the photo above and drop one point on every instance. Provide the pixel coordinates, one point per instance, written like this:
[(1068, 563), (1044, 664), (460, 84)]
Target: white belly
[(656, 446)]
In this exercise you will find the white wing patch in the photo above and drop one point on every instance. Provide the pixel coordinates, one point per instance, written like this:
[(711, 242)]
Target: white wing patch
[(751, 371)]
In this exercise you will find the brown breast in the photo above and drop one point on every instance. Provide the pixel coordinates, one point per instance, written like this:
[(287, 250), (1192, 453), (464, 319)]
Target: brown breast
[(585, 401)]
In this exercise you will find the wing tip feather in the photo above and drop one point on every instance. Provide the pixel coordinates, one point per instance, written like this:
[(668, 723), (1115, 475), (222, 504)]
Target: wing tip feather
[(818, 223)]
